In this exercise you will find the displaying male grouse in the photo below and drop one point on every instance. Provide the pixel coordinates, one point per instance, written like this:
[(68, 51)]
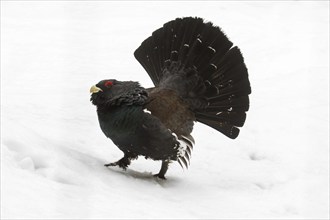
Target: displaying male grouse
[(198, 76)]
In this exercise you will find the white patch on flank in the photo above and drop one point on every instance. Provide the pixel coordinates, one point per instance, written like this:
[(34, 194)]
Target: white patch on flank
[(182, 145), (190, 141), (176, 137), (182, 148)]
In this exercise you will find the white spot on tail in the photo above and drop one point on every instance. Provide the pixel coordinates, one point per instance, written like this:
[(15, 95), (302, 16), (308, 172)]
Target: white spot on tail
[(215, 67), (147, 111), (211, 48)]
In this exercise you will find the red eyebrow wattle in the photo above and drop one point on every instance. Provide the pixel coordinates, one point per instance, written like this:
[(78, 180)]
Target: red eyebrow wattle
[(108, 83)]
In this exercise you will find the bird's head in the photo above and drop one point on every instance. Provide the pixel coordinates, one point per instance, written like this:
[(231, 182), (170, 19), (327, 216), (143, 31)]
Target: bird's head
[(102, 92), (112, 92)]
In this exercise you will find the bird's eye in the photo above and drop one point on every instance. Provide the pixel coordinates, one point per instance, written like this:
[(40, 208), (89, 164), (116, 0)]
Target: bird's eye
[(108, 83)]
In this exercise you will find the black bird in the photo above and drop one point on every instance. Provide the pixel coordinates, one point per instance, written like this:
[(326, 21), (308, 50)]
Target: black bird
[(198, 76)]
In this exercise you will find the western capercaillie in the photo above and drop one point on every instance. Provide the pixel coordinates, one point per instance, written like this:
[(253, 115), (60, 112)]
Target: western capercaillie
[(198, 76)]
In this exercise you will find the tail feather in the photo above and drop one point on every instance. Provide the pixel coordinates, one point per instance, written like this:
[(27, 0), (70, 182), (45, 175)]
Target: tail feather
[(228, 130), (240, 104), (196, 59), (232, 118)]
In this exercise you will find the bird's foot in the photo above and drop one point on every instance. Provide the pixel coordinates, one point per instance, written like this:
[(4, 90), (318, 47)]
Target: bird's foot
[(116, 164), (160, 176), (122, 163)]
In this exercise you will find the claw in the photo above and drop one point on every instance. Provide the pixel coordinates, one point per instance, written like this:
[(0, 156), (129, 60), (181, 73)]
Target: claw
[(116, 164), (110, 164)]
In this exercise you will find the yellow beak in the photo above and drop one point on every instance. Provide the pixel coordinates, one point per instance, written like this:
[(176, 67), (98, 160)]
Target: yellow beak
[(95, 89)]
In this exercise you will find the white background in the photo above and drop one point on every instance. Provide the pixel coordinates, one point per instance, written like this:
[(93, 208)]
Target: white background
[(53, 151)]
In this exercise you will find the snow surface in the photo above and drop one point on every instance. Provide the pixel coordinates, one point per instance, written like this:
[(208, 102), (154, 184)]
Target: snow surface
[(53, 151)]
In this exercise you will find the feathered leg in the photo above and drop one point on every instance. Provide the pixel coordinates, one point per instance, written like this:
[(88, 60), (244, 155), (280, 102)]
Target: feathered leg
[(163, 170)]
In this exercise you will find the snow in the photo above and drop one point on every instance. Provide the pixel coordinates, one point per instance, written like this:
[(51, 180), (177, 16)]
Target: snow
[(53, 151)]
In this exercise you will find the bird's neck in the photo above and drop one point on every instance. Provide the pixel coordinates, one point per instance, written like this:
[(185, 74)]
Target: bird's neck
[(119, 120)]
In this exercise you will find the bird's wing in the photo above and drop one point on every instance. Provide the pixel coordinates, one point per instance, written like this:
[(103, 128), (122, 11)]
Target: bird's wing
[(171, 110), (161, 143)]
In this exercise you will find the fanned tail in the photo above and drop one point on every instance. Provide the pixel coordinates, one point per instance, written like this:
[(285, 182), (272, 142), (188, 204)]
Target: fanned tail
[(197, 60)]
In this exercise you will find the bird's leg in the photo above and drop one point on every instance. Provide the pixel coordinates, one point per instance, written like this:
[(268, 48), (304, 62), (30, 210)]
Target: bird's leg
[(123, 162), (163, 170)]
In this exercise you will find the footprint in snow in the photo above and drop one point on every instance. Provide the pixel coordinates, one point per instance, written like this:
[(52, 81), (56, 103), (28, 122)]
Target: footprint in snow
[(256, 156)]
